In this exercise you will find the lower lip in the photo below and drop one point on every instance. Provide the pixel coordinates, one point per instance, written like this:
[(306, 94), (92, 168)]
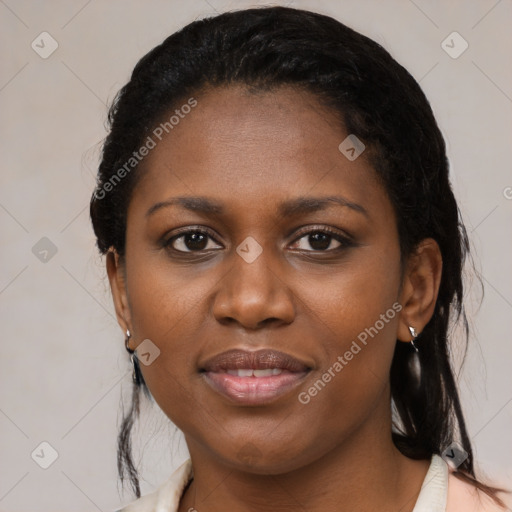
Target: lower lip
[(253, 390)]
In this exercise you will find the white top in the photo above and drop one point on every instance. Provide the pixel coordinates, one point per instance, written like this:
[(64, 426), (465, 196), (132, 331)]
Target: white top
[(440, 492)]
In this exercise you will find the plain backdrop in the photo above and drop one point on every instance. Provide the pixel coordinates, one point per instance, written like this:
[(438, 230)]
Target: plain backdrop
[(64, 369)]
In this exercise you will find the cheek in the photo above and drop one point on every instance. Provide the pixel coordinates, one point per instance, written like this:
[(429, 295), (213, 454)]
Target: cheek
[(167, 308), (163, 299), (357, 310), (353, 298)]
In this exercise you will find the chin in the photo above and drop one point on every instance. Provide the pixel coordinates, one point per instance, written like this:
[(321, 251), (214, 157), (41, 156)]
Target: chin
[(251, 459)]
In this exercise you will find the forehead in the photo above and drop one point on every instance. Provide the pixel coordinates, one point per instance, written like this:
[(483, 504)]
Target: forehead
[(251, 148)]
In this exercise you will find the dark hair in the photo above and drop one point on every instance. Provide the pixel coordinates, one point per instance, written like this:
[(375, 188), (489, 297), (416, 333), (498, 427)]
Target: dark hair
[(377, 99)]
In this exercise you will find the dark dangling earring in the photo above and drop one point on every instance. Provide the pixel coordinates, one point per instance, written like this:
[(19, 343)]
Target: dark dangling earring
[(414, 361), (133, 358)]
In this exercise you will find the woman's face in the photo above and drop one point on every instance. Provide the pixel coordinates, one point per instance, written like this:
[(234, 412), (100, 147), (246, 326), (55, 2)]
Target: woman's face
[(262, 276)]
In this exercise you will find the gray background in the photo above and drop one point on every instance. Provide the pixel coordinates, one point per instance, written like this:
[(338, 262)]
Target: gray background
[(63, 365)]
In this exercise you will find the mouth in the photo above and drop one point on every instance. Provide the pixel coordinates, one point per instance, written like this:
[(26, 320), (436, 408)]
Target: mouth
[(253, 378)]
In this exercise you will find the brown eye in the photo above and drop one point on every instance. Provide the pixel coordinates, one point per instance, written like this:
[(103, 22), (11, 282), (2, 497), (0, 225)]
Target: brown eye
[(321, 240), (190, 241)]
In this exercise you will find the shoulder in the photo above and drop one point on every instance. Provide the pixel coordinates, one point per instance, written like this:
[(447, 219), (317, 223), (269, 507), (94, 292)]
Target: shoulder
[(167, 496), (465, 497)]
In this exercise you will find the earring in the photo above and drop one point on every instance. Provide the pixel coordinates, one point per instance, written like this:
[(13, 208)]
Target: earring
[(133, 357), (414, 335), (413, 362), (127, 341)]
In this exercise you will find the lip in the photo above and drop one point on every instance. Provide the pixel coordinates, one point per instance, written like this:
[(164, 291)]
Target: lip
[(252, 390)]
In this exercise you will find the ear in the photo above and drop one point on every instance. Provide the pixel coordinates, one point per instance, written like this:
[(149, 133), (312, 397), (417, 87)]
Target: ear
[(116, 276), (420, 288)]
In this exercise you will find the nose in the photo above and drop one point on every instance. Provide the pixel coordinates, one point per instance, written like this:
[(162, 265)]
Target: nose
[(253, 295)]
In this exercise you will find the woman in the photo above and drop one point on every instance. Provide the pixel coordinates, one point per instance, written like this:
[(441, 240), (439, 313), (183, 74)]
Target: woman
[(285, 252)]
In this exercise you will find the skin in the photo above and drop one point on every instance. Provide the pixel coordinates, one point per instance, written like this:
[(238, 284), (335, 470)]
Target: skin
[(251, 152)]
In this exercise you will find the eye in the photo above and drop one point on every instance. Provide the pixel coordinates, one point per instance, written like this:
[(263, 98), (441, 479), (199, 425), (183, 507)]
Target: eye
[(321, 239), (192, 240)]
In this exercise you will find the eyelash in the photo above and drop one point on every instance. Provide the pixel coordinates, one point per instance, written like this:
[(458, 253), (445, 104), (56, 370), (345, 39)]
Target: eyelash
[(345, 241)]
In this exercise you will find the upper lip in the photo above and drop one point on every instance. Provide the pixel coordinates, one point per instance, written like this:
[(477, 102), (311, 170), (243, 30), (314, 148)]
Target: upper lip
[(262, 359)]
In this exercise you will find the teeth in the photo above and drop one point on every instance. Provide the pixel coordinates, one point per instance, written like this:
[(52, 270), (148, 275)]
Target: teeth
[(263, 373), (255, 373)]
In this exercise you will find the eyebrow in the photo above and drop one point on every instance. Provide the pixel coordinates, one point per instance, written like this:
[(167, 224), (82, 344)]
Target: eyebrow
[(286, 209)]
